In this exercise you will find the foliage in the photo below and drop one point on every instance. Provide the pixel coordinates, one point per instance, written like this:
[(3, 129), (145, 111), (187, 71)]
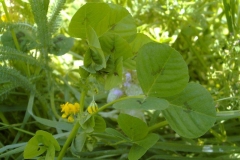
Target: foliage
[(138, 92)]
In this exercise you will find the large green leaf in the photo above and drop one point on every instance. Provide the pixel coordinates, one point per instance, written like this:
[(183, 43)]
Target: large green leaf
[(133, 127), (121, 22), (93, 14), (191, 113), (143, 104), (161, 70), (139, 148), (103, 18)]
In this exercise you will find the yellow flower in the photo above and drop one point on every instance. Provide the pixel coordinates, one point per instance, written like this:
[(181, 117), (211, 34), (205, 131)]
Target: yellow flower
[(69, 110), (70, 119), (92, 108)]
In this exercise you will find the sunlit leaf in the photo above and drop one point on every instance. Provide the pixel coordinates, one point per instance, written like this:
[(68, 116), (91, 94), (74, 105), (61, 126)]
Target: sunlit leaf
[(93, 14), (102, 18), (121, 22)]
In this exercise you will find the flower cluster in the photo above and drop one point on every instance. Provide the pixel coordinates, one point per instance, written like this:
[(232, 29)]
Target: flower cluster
[(92, 108), (69, 110)]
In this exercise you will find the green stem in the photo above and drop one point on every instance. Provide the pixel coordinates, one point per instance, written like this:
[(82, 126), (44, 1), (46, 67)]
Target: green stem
[(53, 104), (18, 129), (68, 141), (74, 130), (4, 120), (157, 126), (83, 94), (12, 31), (118, 100)]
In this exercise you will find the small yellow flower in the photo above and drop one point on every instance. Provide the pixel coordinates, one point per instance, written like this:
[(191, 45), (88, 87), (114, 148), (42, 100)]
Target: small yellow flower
[(69, 110), (92, 108), (70, 118)]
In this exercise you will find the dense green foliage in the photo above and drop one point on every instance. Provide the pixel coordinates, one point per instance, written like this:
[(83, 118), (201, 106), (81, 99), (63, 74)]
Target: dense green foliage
[(156, 79)]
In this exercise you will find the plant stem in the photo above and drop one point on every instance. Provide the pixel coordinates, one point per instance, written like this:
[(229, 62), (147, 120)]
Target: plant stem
[(53, 104), (74, 130), (83, 94), (118, 100), (12, 31), (157, 126), (4, 120), (18, 129), (68, 141)]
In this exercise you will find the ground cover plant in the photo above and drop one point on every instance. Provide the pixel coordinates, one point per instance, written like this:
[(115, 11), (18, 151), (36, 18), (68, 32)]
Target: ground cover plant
[(119, 79)]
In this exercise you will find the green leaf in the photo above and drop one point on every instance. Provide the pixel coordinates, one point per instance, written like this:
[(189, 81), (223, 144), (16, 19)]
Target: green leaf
[(100, 124), (115, 46), (47, 139), (154, 103), (115, 78), (93, 14), (161, 70), (95, 46), (115, 133), (33, 148), (62, 45), (79, 142), (139, 148), (87, 123), (191, 113), (102, 18), (133, 127), (83, 73), (144, 104), (50, 153), (138, 41), (121, 22)]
